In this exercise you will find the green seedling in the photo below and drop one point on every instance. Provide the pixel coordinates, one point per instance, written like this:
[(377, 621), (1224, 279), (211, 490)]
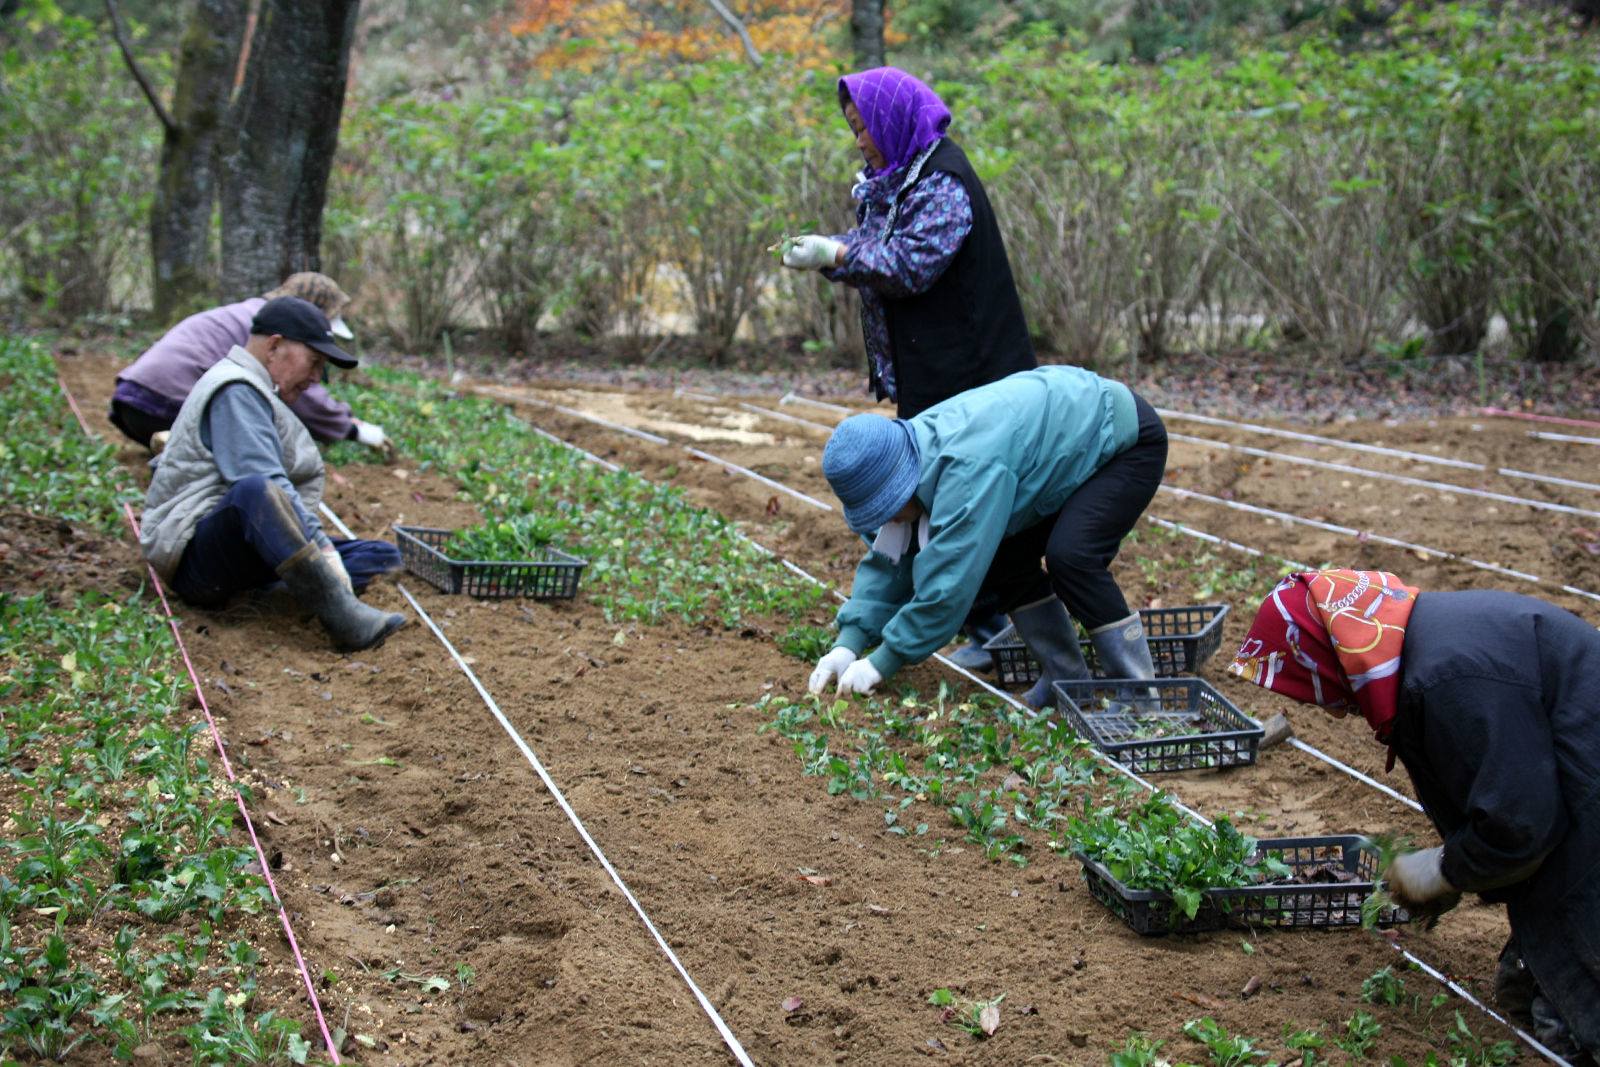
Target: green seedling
[(381, 761), (372, 720), (1384, 987), (1141, 1050), (803, 642), (225, 1035), (1467, 1049), (1226, 1051), (522, 537), (786, 243), (465, 975), (1361, 1032), (979, 1018), (1305, 1042), (1388, 847)]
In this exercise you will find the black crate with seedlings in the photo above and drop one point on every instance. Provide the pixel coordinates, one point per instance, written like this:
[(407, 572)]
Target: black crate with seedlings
[(1181, 640), (553, 575), (1164, 724)]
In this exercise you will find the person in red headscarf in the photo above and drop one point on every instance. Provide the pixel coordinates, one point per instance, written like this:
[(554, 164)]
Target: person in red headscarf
[(1491, 700)]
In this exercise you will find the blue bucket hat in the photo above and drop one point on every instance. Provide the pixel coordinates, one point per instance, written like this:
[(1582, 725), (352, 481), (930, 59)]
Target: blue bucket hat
[(873, 466)]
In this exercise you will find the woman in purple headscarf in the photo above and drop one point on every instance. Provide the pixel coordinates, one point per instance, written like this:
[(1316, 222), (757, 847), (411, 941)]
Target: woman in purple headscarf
[(938, 304)]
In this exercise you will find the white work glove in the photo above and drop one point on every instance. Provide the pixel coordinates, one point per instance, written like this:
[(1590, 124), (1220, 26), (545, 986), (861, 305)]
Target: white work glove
[(859, 677), (1418, 877), (812, 252), (370, 434), (336, 561), (828, 666)]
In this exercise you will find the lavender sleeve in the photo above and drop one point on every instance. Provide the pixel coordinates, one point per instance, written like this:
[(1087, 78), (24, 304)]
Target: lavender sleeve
[(327, 419), (935, 218)]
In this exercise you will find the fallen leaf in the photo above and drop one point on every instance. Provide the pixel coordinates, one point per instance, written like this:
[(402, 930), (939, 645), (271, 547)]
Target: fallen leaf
[(338, 479), (1252, 987), (1202, 1000), (1012, 783), (877, 910), (418, 497), (1363, 537), (620, 638), (273, 816), (989, 1019), (772, 505), (792, 1004), (934, 1042), (817, 879), (1424, 556)]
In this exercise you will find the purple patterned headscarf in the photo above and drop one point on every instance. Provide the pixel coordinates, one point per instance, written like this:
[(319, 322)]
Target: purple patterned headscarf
[(901, 113)]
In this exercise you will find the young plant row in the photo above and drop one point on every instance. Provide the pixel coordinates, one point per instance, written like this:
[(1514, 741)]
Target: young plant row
[(47, 464), (116, 816), (652, 554)]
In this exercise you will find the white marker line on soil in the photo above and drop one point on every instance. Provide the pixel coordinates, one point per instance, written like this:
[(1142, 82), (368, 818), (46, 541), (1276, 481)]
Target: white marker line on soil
[(796, 398), (1315, 439), (227, 765), (590, 456), (1509, 473), (1461, 992), (763, 479), (1567, 437), (787, 418), (1446, 487), (572, 816), (328, 514), (1184, 528), (697, 396), (1537, 418), (607, 423), (1283, 516), (1352, 772)]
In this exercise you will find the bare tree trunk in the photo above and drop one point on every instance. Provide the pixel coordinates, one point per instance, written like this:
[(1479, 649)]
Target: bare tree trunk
[(285, 126), (866, 32), (180, 216)]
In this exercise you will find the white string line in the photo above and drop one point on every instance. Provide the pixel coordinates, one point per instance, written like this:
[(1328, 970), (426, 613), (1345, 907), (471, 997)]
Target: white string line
[(1352, 772), (1446, 487), (763, 479), (1113, 764), (697, 396), (1509, 473), (1462, 992), (607, 423), (787, 418), (1316, 439), (1544, 436), (328, 514), (572, 816), (792, 397), (1184, 528), (1283, 516)]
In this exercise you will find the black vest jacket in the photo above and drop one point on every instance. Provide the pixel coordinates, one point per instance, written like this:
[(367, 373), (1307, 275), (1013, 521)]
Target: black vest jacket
[(968, 329)]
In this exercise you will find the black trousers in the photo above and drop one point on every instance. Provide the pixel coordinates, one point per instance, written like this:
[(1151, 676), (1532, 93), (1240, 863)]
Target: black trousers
[(1080, 542), (138, 425)]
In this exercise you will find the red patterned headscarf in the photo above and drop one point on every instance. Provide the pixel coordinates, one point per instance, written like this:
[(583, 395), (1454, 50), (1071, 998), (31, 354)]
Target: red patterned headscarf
[(1332, 638)]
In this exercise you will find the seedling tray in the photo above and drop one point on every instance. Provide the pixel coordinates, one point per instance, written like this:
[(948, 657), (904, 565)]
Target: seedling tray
[(1185, 725), (1319, 906), (555, 577), (1181, 639)]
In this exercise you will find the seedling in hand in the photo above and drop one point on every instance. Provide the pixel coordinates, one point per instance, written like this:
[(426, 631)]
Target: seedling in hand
[(786, 242)]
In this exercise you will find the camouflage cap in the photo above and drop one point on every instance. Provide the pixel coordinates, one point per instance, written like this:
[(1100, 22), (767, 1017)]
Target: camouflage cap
[(318, 289)]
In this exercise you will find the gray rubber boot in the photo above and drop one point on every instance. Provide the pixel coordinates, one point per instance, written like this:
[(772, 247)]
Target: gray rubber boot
[(1124, 653), (353, 625), (1047, 630), (972, 656)]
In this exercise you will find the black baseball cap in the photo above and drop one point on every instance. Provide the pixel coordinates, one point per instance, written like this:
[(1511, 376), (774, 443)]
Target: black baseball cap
[(300, 320)]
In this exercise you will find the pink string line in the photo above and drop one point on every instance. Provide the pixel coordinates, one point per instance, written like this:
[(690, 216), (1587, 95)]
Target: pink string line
[(1538, 418), (216, 736)]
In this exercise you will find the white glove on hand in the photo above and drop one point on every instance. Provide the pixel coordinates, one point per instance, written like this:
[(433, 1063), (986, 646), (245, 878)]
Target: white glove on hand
[(833, 663), (336, 561), (370, 434), (859, 677), (1418, 877), (812, 252)]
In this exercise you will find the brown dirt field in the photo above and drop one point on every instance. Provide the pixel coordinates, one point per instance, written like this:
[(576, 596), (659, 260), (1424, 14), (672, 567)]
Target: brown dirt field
[(458, 856)]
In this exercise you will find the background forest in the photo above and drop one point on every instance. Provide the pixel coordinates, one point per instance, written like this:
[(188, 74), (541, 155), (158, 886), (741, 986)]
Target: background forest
[(1332, 181)]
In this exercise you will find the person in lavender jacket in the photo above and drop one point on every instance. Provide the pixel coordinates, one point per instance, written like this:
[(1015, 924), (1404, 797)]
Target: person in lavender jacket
[(939, 307), (150, 393)]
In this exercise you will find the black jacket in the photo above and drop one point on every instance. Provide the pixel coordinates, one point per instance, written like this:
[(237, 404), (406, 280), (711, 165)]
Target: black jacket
[(968, 329), (1499, 726)]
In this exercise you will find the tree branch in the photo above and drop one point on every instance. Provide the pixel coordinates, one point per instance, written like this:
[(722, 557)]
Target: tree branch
[(733, 22), (162, 114)]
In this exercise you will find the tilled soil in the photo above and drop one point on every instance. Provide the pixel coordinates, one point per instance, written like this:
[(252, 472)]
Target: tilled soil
[(450, 860)]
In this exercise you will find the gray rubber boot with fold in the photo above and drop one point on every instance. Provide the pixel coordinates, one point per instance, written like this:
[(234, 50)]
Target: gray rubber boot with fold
[(1046, 628), (353, 625), (972, 656), (1124, 652)]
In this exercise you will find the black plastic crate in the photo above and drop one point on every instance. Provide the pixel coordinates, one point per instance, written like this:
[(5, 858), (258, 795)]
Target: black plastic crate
[(555, 577), (1181, 639), (1168, 724), (1325, 906)]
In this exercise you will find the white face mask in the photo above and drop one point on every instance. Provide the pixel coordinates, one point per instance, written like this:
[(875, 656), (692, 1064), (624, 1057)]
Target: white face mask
[(894, 539)]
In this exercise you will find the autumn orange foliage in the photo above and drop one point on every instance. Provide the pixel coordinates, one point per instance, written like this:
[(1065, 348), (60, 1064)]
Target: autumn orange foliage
[(586, 34)]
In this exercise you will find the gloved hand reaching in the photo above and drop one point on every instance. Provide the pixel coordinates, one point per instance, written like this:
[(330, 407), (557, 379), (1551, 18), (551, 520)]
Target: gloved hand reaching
[(859, 677), (1418, 877), (370, 434), (832, 664), (336, 561), (813, 252)]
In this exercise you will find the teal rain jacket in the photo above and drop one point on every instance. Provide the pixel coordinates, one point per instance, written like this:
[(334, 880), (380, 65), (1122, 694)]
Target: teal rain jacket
[(995, 461)]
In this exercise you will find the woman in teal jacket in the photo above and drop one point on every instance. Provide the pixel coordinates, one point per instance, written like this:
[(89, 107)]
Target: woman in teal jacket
[(967, 496)]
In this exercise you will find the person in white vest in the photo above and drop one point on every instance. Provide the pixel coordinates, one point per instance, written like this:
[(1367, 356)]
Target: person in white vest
[(233, 503)]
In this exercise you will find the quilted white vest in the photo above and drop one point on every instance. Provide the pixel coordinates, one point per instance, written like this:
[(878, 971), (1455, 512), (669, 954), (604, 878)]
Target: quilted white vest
[(188, 484)]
